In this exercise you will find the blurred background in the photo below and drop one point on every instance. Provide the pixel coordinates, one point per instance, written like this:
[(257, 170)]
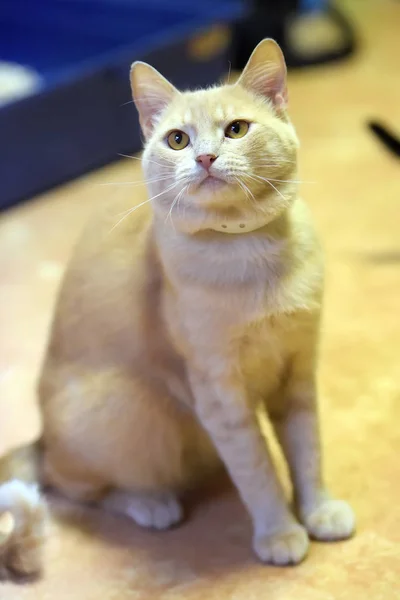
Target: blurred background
[(64, 91), (69, 139)]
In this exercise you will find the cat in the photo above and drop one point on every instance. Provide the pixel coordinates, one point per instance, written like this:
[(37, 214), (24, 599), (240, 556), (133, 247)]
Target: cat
[(178, 325)]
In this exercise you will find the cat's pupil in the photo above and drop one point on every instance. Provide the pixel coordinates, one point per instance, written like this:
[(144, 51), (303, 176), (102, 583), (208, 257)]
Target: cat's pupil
[(235, 127), (178, 138)]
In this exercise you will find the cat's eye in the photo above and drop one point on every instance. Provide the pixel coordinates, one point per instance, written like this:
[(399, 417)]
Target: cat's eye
[(237, 129), (178, 140)]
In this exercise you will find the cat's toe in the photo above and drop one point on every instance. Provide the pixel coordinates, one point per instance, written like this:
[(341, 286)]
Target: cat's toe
[(157, 512), (287, 547), (332, 520), (167, 514)]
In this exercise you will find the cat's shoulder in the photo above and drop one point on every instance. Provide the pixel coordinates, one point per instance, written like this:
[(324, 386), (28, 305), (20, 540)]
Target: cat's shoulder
[(115, 229)]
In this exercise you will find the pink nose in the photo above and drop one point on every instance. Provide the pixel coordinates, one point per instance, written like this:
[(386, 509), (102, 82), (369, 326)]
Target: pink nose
[(206, 160)]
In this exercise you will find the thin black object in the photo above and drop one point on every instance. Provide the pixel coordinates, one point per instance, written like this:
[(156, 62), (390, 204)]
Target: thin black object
[(387, 138)]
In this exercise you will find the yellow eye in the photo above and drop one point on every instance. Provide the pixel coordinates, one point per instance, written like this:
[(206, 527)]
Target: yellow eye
[(237, 129), (178, 140)]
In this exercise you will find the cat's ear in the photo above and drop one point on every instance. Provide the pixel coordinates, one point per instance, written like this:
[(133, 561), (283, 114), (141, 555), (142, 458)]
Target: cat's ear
[(265, 73), (152, 93)]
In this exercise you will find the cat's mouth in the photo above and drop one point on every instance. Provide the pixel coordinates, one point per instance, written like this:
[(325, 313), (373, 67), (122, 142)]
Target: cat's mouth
[(212, 181)]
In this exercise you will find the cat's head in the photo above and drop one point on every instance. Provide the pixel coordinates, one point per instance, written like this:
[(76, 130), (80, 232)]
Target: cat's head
[(223, 158)]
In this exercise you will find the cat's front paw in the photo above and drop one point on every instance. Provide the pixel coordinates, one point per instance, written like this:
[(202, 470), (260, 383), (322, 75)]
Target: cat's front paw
[(332, 520), (286, 547)]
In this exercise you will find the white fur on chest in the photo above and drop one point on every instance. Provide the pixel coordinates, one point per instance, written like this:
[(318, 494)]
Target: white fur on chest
[(225, 260), (239, 297)]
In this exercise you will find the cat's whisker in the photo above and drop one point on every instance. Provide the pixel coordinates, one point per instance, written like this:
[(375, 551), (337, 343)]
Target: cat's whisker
[(136, 183), (246, 190), (256, 177), (274, 164), (291, 180), (176, 203), (272, 185), (133, 209), (167, 162), (184, 190), (127, 213), (129, 156), (140, 158), (251, 193), (169, 215), (229, 72), (257, 205), (168, 189), (278, 160), (126, 183), (260, 166)]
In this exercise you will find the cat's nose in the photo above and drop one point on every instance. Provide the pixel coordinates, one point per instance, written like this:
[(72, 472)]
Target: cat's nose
[(206, 160)]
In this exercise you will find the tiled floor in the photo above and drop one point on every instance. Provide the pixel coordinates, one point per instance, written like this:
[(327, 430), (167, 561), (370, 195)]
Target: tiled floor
[(355, 196)]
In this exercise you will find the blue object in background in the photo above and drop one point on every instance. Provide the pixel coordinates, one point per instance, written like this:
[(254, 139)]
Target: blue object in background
[(81, 117), (313, 5)]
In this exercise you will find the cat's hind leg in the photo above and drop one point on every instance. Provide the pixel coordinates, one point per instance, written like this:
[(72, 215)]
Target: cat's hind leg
[(113, 439)]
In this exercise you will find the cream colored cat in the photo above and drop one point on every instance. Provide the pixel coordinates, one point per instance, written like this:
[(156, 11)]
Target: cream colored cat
[(177, 326)]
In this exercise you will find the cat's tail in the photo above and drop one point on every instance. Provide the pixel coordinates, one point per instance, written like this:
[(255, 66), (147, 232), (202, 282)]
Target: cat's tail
[(23, 514)]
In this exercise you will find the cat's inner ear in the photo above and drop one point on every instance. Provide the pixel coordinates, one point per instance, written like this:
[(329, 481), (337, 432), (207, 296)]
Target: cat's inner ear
[(265, 73), (152, 93)]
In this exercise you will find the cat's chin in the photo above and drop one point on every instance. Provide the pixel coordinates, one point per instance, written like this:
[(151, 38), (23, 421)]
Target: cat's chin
[(211, 183)]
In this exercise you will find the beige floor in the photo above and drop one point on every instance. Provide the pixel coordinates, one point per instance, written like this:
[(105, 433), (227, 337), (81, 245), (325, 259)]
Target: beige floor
[(355, 196)]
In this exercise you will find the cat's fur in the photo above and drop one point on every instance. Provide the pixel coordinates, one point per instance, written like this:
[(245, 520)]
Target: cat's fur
[(170, 335)]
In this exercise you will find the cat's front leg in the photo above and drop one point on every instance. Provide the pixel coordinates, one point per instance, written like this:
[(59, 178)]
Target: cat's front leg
[(223, 410), (297, 428)]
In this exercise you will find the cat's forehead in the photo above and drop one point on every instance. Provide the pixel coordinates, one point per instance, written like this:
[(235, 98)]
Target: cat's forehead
[(215, 105)]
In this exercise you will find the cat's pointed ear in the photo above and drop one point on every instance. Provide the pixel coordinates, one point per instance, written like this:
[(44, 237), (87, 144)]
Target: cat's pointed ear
[(265, 73), (152, 93)]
